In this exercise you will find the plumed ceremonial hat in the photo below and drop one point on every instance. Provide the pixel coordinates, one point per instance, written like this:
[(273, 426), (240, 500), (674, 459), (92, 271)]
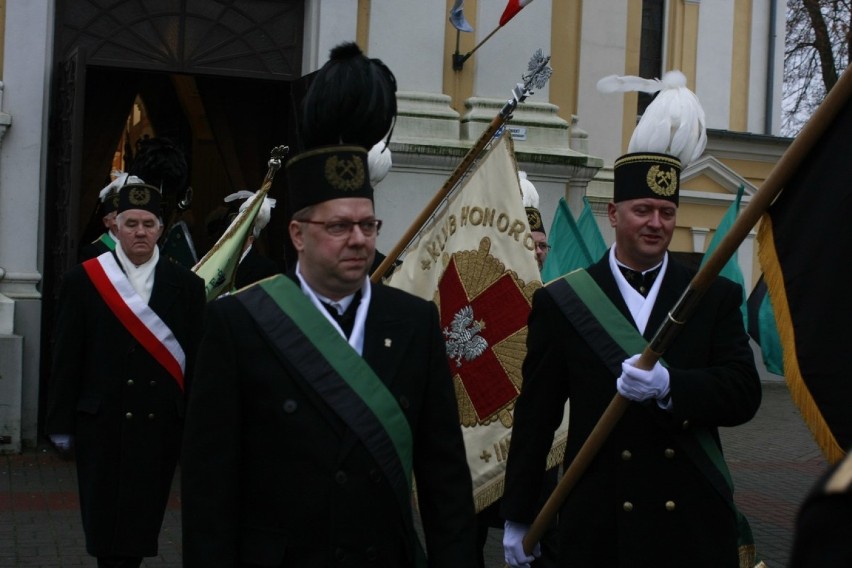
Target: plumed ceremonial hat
[(109, 194), (530, 198), (349, 107), (161, 163), (139, 196), (669, 136)]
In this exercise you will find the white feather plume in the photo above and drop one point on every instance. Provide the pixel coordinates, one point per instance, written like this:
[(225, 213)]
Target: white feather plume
[(528, 191), (120, 179), (264, 214), (379, 162), (626, 83), (674, 122)]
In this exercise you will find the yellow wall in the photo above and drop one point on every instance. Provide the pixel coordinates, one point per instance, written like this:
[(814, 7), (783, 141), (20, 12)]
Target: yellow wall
[(459, 84), (565, 37), (740, 60)]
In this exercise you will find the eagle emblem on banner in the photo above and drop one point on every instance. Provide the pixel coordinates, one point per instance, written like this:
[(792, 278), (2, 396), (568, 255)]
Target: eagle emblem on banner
[(485, 354)]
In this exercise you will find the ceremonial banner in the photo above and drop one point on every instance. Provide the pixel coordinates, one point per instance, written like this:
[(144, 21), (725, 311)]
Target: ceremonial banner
[(573, 244), (178, 245), (476, 261), (805, 240), (219, 265), (731, 270)]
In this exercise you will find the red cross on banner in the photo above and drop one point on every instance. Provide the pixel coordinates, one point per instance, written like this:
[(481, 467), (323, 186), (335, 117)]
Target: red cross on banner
[(496, 313)]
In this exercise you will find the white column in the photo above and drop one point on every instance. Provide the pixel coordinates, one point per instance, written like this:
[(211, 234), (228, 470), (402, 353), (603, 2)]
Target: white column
[(27, 66)]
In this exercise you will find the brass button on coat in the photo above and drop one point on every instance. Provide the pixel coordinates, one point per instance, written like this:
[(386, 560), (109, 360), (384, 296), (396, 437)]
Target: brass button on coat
[(130, 382), (340, 477), (626, 455), (628, 506), (129, 415), (290, 406), (670, 506), (685, 424), (670, 453), (151, 416)]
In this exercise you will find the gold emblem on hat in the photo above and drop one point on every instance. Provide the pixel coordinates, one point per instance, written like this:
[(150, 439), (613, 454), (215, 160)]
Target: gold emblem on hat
[(534, 220), (343, 174), (139, 196), (662, 182)]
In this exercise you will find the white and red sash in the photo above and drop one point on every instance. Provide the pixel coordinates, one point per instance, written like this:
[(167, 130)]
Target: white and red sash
[(135, 315)]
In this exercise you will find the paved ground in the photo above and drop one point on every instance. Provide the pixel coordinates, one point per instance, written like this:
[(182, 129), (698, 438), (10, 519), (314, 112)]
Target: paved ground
[(773, 459)]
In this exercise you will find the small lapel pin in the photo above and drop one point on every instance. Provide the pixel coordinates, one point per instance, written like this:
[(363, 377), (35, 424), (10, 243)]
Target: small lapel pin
[(387, 342)]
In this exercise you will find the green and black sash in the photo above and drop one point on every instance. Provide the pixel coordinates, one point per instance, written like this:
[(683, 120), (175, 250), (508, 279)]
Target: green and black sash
[(613, 339), (107, 240), (328, 366)]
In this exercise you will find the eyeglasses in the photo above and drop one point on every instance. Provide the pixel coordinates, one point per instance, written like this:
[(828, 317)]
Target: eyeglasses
[(369, 227), (543, 246)]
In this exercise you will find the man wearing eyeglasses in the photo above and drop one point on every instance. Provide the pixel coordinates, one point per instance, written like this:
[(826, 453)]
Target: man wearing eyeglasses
[(321, 397)]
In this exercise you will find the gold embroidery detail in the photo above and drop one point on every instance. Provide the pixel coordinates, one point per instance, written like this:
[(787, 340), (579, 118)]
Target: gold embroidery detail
[(344, 175), (139, 196), (662, 182)]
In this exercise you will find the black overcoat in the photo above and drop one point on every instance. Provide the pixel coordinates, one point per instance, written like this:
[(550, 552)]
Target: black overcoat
[(123, 408), (642, 502), (271, 476)]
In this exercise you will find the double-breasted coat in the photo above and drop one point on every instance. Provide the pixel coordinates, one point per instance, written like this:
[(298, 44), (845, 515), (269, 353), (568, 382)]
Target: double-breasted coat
[(271, 476), (123, 408), (641, 502)]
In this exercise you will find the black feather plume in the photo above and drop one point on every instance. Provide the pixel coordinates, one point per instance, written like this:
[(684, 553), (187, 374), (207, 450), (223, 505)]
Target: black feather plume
[(161, 163), (352, 100)]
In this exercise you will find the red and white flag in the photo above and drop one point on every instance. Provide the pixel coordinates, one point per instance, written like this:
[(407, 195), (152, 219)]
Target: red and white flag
[(512, 8), (476, 261)]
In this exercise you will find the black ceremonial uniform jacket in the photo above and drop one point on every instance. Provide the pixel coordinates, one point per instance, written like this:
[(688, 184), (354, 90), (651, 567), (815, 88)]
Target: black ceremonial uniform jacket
[(642, 502), (272, 477), (124, 409), (824, 521)]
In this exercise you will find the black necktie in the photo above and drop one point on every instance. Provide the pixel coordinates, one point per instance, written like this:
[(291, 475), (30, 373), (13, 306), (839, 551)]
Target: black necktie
[(347, 319), (640, 282)]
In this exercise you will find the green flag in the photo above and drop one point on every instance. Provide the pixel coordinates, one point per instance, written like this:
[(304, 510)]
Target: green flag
[(731, 270), (573, 244), (219, 265), (763, 329)]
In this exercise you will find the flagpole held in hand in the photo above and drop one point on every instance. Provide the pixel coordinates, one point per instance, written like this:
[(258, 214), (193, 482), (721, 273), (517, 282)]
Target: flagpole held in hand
[(839, 96), (219, 266), (538, 76)]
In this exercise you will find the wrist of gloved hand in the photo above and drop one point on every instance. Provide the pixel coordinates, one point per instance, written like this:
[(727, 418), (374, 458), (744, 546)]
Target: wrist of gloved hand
[(513, 545), (61, 441), (638, 384)]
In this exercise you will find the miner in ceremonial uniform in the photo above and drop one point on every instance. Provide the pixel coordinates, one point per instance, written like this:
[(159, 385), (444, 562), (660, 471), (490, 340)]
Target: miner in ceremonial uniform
[(531, 199), (320, 398), (655, 494), (127, 329), (108, 198)]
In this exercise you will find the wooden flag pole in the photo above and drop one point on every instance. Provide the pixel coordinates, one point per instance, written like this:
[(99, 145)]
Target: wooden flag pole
[(839, 96), (537, 78)]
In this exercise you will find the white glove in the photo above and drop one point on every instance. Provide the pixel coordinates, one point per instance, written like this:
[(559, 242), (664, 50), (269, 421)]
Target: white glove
[(638, 384), (513, 545), (62, 441)]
